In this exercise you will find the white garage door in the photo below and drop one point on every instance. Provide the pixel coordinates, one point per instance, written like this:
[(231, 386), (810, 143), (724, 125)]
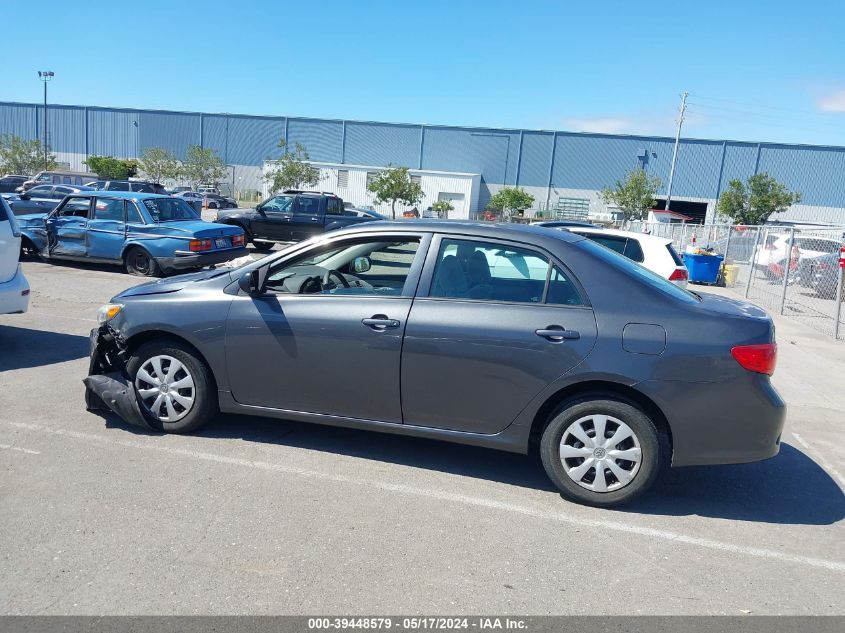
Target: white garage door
[(458, 201)]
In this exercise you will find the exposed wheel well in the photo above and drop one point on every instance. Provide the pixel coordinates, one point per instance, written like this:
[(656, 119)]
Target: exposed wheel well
[(129, 248), (598, 388), (27, 243), (157, 335)]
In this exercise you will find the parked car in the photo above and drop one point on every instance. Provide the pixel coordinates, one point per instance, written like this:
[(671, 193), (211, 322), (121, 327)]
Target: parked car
[(147, 233), (740, 248), (202, 189), (563, 346), (562, 224), (214, 201), (42, 198), (128, 185), (655, 253), (771, 255), (292, 216), (11, 182), (179, 189), (14, 289), (59, 177), (821, 274)]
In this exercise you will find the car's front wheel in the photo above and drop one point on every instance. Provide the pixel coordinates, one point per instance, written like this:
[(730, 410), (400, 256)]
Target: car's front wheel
[(141, 264), (263, 247), (600, 452), (174, 388)]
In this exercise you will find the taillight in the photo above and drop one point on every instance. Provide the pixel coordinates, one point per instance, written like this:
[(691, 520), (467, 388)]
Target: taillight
[(200, 245), (679, 274), (822, 266), (238, 240), (757, 358)]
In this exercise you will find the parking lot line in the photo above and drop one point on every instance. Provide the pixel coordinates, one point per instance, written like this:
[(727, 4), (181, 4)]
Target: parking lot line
[(821, 460), (19, 449), (156, 444)]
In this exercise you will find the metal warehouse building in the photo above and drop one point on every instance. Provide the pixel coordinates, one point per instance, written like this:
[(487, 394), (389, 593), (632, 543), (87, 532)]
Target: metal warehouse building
[(563, 170)]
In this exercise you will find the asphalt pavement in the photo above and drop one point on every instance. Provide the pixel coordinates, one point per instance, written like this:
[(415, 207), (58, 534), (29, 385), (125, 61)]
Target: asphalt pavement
[(255, 516)]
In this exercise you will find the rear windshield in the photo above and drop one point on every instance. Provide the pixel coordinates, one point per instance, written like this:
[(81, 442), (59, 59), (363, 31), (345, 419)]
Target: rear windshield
[(642, 273), (170, 209), (675, 257)]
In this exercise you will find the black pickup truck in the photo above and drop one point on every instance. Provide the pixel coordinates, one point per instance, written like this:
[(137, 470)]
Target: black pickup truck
[(292, 216)]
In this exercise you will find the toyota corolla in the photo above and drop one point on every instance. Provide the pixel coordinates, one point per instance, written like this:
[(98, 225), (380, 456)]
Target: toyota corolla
[(509, 337)]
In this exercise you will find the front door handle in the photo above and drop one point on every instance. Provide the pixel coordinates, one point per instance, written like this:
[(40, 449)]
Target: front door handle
[(380, 322), (558, 333)]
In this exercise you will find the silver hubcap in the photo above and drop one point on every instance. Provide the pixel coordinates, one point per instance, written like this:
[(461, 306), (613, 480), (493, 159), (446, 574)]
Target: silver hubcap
[(166, 388), (600, 453)]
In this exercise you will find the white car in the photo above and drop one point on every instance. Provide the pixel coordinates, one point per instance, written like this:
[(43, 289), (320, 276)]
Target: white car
[(14, 289), (774, 251), (655, 253)]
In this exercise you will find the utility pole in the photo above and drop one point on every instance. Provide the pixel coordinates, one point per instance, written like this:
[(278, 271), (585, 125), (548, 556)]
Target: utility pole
[(675, 150), (45, 76)]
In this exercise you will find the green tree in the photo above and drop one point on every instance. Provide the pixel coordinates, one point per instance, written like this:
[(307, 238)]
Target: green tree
[(634, 195), (511, 198), (394, 185), (110, 168), (202, 165), (442, 208), (158, 164), (18, 156), (293, 171), (755, 200)]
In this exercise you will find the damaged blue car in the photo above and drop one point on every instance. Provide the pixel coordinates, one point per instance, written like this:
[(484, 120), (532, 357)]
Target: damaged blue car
[(149, 234)]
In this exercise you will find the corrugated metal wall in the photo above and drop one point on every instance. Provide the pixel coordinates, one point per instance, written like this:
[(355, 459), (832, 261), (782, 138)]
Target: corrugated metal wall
[(581, 162)]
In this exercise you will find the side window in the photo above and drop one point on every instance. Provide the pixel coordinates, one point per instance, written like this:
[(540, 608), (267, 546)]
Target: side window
[(489, 271), (359, 268), (118, 186), (279, 204), (76, 207), (612, 242), (562, 290), (41, 191), (334, 206), (634, 251), (133, 215), (309, 205), (105, 209), (60, 192)]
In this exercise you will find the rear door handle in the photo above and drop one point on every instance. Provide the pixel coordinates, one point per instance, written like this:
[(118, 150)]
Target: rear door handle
[(380, 322), (558, 333)]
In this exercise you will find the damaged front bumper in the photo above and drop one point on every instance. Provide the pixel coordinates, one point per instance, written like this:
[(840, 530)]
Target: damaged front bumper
[(107, 388)]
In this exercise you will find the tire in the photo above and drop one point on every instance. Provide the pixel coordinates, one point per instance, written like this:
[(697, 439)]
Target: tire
[(580, 417), (179, 410), (263, 247), (140, 263)]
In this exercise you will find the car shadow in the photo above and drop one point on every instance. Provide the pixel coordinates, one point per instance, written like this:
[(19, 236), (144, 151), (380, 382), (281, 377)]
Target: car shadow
[(790, 488), (21, 348)]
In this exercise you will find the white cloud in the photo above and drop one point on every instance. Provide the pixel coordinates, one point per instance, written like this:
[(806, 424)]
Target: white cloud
[(605, 125), (834, 102)]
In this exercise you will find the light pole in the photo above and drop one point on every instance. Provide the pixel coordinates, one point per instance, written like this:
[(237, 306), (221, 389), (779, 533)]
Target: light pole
[(45, 76)]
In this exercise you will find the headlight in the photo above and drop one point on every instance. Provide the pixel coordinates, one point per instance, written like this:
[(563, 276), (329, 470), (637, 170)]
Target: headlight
[(108, 312)]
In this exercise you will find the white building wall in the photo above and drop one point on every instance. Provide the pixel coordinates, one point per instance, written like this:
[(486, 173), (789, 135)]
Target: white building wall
[(435, 185)]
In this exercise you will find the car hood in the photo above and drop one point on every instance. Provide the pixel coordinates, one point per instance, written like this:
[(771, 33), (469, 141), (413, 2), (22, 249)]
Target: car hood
[(170, 284), (197, 228)]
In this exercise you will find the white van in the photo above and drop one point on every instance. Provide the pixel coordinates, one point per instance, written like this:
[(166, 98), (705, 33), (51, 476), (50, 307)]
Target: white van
[(14, 289)]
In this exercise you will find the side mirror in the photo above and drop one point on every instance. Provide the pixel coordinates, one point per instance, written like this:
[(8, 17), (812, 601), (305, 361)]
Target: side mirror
[(250, 283), (260, 208), (23, 195), (361, 264)]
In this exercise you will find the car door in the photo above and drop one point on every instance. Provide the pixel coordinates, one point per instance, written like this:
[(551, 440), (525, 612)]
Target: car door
[(327, 350), (273, 217), (106, 229), (308, 217), (494, 323), (67, 228), (41, 199)]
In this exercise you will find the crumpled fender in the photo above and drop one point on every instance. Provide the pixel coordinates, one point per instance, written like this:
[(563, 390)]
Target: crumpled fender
[(116, 393)]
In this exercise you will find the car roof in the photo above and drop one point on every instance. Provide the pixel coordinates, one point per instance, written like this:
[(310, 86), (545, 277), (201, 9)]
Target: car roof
[(493, 230), (617, 232)]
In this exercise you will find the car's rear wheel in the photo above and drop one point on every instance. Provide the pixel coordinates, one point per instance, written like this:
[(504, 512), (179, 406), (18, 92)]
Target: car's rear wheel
[(174, 388), (140, 263), (600, 452), (263, 247)]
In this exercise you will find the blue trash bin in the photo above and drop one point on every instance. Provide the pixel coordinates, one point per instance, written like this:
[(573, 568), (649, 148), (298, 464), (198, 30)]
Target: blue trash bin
[(703, 269)]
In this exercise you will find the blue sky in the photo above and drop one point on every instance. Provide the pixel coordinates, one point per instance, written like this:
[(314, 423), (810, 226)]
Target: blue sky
[(755, 70)]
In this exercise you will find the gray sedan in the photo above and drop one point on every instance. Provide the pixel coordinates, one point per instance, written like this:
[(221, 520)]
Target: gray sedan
[(515, 338)]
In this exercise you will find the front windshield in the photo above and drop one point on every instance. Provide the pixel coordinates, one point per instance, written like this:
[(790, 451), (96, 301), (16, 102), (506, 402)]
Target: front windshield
[(170, 209), (641, 272)]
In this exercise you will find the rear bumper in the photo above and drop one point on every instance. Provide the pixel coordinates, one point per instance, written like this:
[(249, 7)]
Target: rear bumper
[(199, 260), (14, 294), (730, 422)]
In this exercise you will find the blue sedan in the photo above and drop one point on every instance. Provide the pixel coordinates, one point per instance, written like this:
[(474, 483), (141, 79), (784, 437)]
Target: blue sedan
[(149, 234)]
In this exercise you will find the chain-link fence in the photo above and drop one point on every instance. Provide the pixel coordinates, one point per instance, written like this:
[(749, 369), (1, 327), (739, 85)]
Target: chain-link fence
[(789, 270)]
